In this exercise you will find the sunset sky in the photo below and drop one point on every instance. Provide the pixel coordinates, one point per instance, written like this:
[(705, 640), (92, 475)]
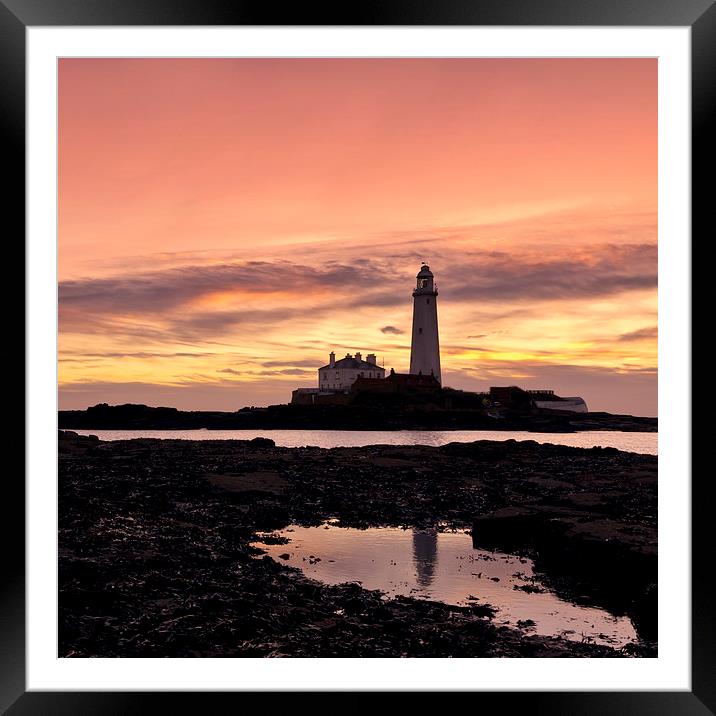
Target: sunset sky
[(225, 223)]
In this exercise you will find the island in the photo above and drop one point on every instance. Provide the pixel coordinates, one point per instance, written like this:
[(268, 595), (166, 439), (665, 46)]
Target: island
[(457, 410)]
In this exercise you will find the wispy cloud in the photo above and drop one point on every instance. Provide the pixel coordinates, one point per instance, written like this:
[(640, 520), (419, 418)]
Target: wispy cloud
[(282, 290), (650, 332), (289, 362), (283, 371), (597, 271), (158, 291)]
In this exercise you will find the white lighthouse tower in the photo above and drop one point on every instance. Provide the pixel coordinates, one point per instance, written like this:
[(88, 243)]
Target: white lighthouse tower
[(425, 346)]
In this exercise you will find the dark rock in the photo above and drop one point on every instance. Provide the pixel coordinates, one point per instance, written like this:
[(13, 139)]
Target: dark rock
[(263, 442), (155, 560)]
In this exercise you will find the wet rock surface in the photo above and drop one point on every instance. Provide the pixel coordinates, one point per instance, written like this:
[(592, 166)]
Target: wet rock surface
[(155, 556)]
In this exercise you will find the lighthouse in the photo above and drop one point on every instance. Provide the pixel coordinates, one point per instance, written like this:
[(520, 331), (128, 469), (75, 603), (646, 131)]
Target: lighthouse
[(425, 346)]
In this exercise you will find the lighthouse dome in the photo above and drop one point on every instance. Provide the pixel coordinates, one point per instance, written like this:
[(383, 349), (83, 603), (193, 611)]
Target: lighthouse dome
[(425, 272)]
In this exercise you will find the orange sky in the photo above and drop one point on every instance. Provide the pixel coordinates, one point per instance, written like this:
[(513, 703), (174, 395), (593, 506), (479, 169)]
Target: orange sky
[(225, 223)]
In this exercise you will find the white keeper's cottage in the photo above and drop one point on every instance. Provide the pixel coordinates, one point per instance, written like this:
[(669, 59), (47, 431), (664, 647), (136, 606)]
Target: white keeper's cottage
[(341, 374)]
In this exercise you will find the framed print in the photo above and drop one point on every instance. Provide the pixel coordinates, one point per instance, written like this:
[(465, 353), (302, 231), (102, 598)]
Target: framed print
[(350, 337)]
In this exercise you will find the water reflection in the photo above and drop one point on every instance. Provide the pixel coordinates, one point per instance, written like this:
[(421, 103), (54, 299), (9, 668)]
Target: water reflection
[(425, 555), (632, 442), (405, 562)]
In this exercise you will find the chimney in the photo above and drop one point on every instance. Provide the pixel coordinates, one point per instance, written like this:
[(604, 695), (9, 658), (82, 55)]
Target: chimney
[(371, 358), (358, 356), (331, 359)]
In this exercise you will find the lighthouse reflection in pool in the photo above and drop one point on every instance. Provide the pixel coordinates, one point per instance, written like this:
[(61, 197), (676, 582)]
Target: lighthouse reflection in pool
[(443, 566)]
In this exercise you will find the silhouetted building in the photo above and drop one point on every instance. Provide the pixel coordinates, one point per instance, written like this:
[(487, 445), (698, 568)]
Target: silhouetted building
[(397, 383), (518, 399), (352, 380)]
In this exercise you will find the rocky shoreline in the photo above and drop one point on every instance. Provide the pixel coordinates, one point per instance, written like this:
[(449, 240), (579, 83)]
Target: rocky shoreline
[(379, 416), (155, 554)]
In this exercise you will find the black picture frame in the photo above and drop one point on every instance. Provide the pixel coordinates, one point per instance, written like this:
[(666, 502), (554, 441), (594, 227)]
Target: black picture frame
[(17, 15)]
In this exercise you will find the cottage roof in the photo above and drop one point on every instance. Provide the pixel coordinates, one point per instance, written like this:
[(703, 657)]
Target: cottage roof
[(351, 364)]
